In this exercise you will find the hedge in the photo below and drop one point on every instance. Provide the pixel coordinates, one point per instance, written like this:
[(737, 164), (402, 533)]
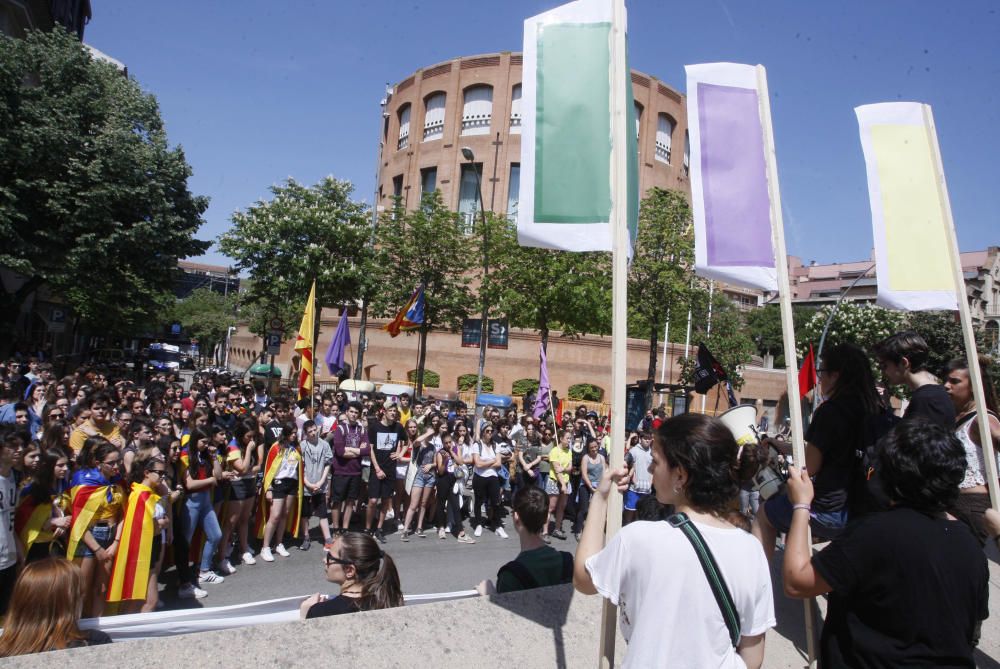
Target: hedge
[(468, 382), (431, 378), (522, 387), (585, 392)]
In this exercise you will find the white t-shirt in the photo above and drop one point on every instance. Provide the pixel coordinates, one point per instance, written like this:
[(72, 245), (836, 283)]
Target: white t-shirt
[(8, 503), (486, 454), (667, 612)]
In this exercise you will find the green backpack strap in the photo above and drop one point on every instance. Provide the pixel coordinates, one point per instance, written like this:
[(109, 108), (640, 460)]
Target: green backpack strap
[(712, 572)]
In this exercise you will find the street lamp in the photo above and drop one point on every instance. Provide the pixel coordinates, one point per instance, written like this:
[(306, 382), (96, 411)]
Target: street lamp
[(471, 157)]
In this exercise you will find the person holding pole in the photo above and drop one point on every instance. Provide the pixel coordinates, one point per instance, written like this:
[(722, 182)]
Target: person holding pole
[(659, 583)]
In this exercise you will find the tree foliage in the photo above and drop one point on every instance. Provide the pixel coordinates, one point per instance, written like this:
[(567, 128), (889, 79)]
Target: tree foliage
[(728, 341), (94, 203), (860, 324), (764, 327), (302, 233), (206, 315)]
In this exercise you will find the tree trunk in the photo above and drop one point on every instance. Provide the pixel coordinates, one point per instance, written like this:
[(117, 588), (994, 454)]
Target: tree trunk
[(10, 309), (421, 359), (544, 330), (654, 338), (362, 332)]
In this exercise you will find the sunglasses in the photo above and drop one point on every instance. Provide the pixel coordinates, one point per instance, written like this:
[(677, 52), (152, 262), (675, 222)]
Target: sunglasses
[(332, 559), (159, 472)]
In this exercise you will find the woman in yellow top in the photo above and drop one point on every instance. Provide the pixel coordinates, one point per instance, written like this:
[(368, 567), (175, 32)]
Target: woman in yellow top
[(95, 533), (560, 463)]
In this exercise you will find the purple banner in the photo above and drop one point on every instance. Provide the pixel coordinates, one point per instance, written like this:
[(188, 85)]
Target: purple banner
[(734, 178)]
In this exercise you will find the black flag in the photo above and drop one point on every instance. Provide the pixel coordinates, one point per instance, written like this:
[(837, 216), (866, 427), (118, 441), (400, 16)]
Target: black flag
[(707, 371)]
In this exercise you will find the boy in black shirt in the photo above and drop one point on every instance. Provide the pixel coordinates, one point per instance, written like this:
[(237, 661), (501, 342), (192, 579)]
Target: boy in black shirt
[(383, 436), (903, 359)]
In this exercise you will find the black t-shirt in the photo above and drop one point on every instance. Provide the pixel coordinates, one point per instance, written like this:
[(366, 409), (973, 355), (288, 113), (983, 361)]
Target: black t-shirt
[(383, 440), (334, 607), (836, 429), (272, 434), (932, 402), (91, 638), (908, 590)]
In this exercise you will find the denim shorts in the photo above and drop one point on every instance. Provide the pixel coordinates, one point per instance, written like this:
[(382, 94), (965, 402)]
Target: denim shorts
[(632, 499), (103, 534), (422, 480), (824, 524)]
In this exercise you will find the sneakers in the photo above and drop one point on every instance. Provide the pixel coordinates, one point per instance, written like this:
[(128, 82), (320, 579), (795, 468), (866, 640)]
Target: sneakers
[(546, 539), (576, 535), (283, 552), (479, 531), (227, 568), (441, 533), (380, 536), (465, 539), (558, 534), (501, 533), (248, 558), (421, 533), (209, 577), (304, 546), (191, 591), (266, 555), (405, 536), (390, 514)]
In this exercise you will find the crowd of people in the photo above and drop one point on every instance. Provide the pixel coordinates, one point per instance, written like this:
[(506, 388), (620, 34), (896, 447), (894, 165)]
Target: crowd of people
[(125, 481)]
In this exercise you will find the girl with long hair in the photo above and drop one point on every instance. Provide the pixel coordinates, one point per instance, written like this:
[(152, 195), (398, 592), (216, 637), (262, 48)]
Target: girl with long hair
[(651, 572), (402, 456), (281, 503), (592, 468), (447, 464), (243, 457), (558, 486), (40, 518), (202, 474), (45, 611), (366, 575), (423, 482), (486, 481)]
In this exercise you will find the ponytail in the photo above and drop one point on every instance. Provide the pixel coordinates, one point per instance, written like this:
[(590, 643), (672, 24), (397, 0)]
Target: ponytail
[(382, 590)]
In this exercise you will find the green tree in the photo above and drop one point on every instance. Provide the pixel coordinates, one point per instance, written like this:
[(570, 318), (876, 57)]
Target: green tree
[(543, 289), (943, 333), (764, 326), (728, 341), (206, 315), (425, 246), (94, 203), (301, 234), (860, 324), (659, 281)]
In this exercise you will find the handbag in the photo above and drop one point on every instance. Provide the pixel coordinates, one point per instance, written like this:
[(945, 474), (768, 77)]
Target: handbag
[(712, 573), (411, 473)]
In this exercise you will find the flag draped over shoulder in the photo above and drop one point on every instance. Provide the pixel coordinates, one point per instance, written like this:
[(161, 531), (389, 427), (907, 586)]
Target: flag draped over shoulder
[(542, 398), (30, 518), (807, 373), (338, 345), (88, 493), (305, 345), (130, 573), (730, 200), (272, 463), (912, 259), (410, 317), (568, 98)]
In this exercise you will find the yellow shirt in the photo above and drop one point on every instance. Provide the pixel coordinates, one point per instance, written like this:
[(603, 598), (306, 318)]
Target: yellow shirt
[(91, 429), (564, 458)]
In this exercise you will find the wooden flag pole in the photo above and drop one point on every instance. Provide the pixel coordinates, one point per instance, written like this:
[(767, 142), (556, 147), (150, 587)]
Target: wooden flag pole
[(787, 324), (968, 336), (619, 301)]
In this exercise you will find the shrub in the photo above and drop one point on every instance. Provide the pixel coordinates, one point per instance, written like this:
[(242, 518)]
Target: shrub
[(585, 392), (522, 387), (468, 382), (431, 378)]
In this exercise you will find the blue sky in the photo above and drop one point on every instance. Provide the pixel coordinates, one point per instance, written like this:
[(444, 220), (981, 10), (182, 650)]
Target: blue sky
[(256, 92)]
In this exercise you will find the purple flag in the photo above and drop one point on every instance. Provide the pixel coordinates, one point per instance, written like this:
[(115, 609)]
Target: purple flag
[(335, 354), (730, 198), (542, 398)]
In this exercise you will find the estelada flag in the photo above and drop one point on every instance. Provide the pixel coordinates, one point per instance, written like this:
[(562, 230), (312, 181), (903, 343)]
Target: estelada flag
[(807, 373), (134, 559), (304, 344), (707, 370), (271, 467), (30, 518), (89, 492), (410, 317)]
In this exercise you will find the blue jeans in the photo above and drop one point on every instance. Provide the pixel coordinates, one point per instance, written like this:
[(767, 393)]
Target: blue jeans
[(198, 511)]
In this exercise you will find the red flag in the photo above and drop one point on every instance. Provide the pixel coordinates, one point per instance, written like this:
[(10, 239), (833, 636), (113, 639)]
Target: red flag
[(807, 373)]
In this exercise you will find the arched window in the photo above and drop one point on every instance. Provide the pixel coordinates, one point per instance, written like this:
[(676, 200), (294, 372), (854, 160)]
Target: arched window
[(477, 110), (434, 116), (404, 127), (664, 135), (638, 118), (515, 110)]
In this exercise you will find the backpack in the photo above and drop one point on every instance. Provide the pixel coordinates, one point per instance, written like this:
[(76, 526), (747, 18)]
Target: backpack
[(526, 579), (866, 493)]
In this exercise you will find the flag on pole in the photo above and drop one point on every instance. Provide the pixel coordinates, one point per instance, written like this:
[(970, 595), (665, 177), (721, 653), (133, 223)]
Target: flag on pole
[(304, 344), (707, 370), (729, 191), (542, 399), (807, 373), (912, 262), (338, 345), (567, 102), (410, 317)]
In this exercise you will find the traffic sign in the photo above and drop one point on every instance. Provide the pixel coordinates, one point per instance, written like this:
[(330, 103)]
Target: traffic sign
[(57, 320), (276, 324), (273, 340)]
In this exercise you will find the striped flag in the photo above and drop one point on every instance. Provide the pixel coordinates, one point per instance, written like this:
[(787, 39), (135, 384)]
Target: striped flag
[(729, 190), (542, 398), (305, 346), (130, 573), (913, 262), (30, 518), (272, 463), (410, 317), (568, 182), (89, 493)]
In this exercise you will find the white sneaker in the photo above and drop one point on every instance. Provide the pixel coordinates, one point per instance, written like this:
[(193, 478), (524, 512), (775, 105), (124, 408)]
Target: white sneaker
[(248, 558), (266, 555), (501, 533), (280, 550), (189, 591), (441, 533), (479, 531), (390, 515), (210, 577), (227, 568)]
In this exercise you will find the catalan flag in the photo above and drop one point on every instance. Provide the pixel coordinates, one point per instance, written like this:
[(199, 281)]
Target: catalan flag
[(410, 317), (134, 559), (305, 345), (89, 492), (30, 518), (272, 463)]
